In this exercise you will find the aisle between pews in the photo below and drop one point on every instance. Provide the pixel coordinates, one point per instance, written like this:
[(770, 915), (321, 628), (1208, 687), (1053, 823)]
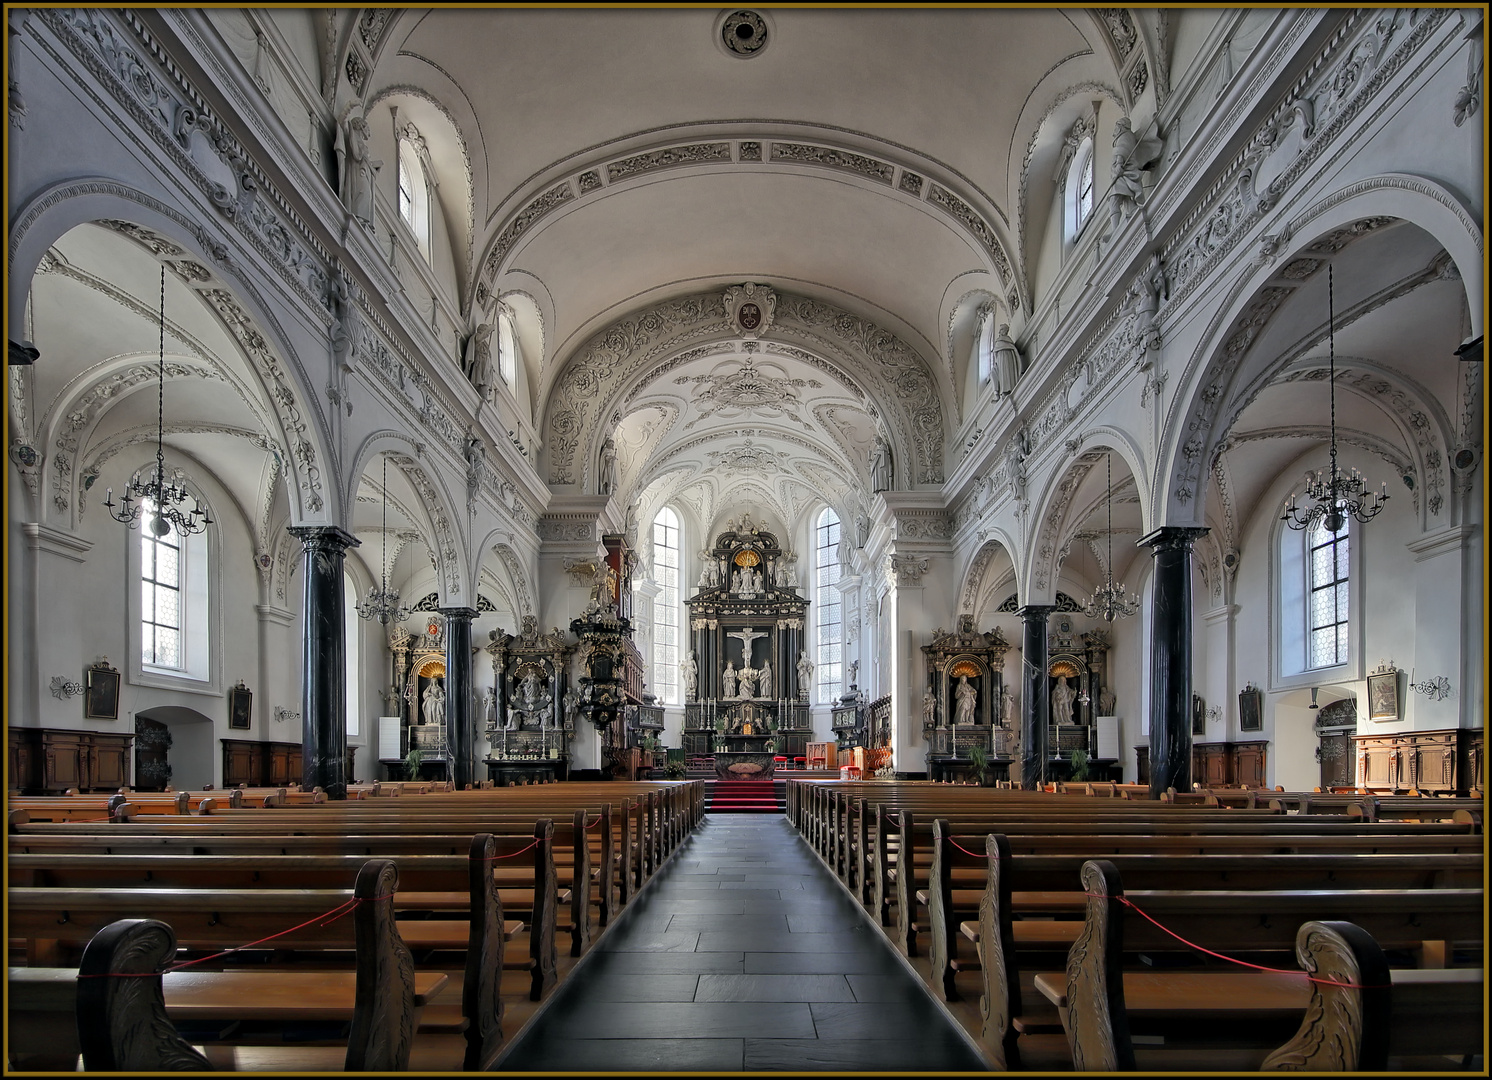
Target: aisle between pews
[(743, 953)]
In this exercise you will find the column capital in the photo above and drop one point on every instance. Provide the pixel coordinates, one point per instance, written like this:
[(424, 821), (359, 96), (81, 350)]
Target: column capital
[(467, 613), (1035, 611), (1172, 538), (324, 537)]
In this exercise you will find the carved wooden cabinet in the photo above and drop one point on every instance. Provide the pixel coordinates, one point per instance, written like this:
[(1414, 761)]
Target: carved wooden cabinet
[(1429, 761), (1223, 765), (53, 760), (261, 764)]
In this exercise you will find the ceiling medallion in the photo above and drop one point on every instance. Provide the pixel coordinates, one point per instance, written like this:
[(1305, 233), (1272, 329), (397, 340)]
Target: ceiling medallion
[(750, 308), (744, 33)]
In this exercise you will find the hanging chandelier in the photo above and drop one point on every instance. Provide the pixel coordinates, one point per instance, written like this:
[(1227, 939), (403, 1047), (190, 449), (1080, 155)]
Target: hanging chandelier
[(382, 603), (1335, 496), (169, 506), (1111, 600)]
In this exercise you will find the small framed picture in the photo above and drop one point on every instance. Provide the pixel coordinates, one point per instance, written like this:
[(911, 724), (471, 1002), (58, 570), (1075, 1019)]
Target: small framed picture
[(1199, 715), (1251, 709), (1383, 695), (101, 700), (240, 706)]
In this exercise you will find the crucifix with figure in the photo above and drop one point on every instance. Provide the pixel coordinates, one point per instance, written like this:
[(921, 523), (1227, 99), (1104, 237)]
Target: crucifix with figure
[(746, 635)]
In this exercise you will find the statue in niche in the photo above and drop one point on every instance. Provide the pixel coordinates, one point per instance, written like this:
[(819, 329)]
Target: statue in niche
[(929, 710), (764, 680), (690, 670), (478, 359), (512, 718), (433, 705), (572, 706), (1007, 706), (747, 677), (606, 475), (352, 147), (1132, 156), (706, 563), (805, 674), (1062, 696), (880, 465), (489, 707), (1106, 702), (728, 680), (964, 698), (1005, 362)]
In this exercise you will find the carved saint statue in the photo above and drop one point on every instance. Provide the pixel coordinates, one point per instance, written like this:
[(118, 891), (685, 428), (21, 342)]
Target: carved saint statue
[(929, 709), (1106, 702), (357, 170), (606, 476), (805, 674), (880, 465), (1007, 706), (1005, 361), (964, 698), (704, 569), (489, 707), (1062, 696), (572, 706), (434, 702), (478, 358), (1132, 156), (854, 669), (690, 670), (764, 680), (748, 681), (728, 680)]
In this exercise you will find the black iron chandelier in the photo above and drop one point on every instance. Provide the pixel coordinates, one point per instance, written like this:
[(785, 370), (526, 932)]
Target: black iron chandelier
[(1111, 600), (1335, 496), (168, 505), (382, 603)]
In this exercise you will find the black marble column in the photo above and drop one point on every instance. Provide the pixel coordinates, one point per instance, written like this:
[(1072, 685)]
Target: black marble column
[(1171, 658), (460, 723), (323, 662), (1036, 706)]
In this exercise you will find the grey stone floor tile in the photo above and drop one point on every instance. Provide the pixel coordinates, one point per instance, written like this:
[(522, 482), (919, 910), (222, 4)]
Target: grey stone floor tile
[(873, 987), (773, 988), (753, 924), (625, 986), (743, 941), (696, 1020), (670, 963), (769, 963), (650, 940)]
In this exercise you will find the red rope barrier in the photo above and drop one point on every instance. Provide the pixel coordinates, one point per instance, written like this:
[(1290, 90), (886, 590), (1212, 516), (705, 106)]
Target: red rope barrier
[(1241, 963), (513, 854), (593, 824)]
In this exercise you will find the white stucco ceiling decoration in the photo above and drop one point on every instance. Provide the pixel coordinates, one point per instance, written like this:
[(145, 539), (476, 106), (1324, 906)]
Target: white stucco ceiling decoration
[(818, 353)]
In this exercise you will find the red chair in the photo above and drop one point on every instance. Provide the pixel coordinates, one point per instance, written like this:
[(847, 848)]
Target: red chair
[(800, 762)]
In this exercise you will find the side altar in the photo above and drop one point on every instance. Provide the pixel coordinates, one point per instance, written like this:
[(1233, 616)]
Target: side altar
[(746, 678)]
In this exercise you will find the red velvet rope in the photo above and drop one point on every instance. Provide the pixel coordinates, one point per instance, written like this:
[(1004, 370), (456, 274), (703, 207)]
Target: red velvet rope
[(593, 824), (324, 919), (514, 854), (1241, 963)]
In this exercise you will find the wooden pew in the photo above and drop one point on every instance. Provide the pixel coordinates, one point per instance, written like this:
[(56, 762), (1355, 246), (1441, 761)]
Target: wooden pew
[(1102, 1002), (120, 992)]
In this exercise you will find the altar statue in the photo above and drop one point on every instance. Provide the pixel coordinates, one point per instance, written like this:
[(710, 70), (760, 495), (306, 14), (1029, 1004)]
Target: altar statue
[(434, 702), (805, 674), (1062, 697), (764, 680), (747, 676), (965, 697), (728, 680), (690, 670)]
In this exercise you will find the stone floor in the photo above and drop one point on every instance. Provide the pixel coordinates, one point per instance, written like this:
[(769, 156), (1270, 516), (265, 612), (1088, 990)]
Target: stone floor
[(743, 954)]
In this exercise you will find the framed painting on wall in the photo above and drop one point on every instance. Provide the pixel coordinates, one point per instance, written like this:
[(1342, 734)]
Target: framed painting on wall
[(1383, 695), (240, 706), (101, 697), (1251, 709)]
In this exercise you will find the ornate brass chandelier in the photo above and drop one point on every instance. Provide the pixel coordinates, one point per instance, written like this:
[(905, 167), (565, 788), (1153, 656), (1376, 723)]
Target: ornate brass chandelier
[(168, 505), (1111, 600), (382, 603), (1335, 496)]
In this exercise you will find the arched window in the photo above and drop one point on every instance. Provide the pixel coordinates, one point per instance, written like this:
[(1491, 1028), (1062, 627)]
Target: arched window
[(1326, 592), (507, 349), (1314, 599), (665, 680), (170, 600), (414, 196), (1077, 192), (984, 348), (826, 601)]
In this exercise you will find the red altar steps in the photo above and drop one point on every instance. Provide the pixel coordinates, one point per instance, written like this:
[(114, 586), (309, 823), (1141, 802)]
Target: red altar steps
[(746, 796)]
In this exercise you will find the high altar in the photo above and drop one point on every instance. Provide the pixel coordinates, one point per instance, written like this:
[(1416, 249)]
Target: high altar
[(746, 695)]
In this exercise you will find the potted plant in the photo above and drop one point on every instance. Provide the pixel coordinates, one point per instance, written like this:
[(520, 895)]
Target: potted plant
[(1078, 759), (412, 762), (674, 770), (979, 763)]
